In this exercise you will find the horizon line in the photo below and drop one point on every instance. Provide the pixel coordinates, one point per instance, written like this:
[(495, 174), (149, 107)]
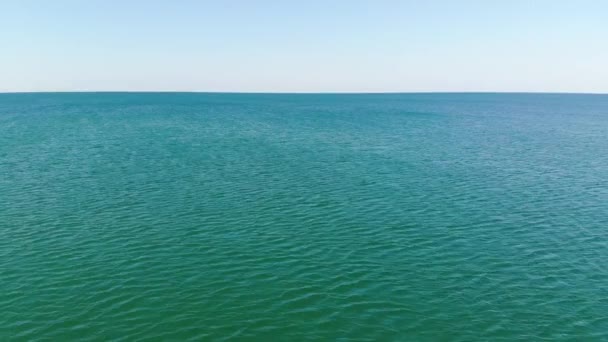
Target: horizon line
[(301, 92)]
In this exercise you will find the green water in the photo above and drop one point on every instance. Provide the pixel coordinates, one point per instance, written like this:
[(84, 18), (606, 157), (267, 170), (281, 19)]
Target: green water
[(420, 217)]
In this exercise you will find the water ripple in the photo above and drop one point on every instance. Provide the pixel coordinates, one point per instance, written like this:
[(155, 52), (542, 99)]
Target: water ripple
[(240, 217)]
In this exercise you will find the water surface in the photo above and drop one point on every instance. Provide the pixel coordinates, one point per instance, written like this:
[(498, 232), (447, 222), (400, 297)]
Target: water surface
[(411, 217)]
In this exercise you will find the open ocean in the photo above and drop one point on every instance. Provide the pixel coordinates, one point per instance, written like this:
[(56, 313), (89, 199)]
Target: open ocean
[(258, 217)]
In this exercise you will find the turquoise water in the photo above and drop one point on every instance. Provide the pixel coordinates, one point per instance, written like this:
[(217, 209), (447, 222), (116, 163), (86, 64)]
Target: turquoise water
[(412, 217)]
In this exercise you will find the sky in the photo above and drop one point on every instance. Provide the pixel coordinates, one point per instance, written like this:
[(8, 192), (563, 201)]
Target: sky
[(304, 46)]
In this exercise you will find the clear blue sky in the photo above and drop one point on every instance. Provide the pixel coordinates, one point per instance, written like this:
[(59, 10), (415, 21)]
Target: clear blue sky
[(309, 46)]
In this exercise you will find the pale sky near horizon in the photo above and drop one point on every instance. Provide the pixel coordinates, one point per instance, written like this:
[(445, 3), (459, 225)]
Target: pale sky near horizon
[(304, 46)]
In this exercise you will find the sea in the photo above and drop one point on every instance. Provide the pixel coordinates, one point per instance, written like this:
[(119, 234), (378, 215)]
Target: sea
[(303, 217)]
